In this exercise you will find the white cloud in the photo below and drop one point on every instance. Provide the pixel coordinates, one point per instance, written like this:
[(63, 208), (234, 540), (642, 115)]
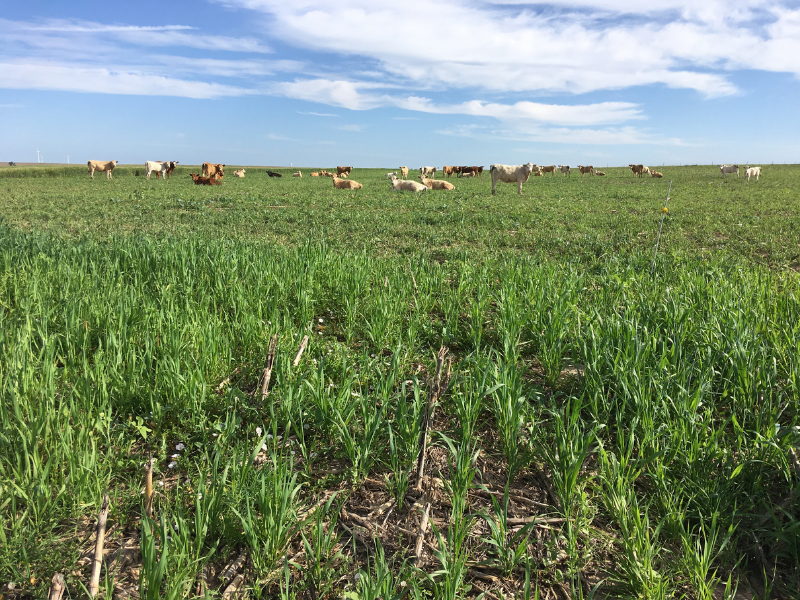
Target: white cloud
[(315, 114), (105, 81)]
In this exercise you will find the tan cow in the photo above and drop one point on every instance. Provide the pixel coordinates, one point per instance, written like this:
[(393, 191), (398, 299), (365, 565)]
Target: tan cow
[(600, 173), (448, 171), (239, 173), (404, 172), (637, 169), (314, 174), (656, 174), (213, 170), (343, 170), (584, 170), (101, 165), (344, 184), (550, 169), (198, 180), (436, 184)]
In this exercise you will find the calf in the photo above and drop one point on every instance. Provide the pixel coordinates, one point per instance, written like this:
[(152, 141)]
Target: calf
[(584, 170), (344, 184), (199, 180), (101, 165), (298, 174), (436, 184), (398, 185), (564, 169), (213, 170), (729, 169), (511, 174), (752, 171)]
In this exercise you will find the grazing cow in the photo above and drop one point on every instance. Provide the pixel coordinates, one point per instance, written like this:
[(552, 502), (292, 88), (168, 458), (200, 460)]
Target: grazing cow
[(213, 170), (199, 180), (729, 169), (511, 174), (239, 173), (600, 173), (584, 170), (637, 169), (274, 174), (313, 174), (752, 171), (343, 170), (298, 174), (436, 184), (101, 165), (344, 184), (425, 171), (447, 171), (398, 185), (404, 172), (564, 169), (656, 174), (550, 169)]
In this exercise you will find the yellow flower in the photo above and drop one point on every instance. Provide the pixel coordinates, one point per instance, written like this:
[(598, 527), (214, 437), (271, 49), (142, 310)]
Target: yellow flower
[(664, 210)]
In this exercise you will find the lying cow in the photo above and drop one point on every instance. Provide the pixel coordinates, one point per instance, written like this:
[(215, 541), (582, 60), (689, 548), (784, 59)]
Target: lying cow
[(752, 171), (511, 174), (600, 173), (656, 174), (313, 174), (239, 173), (101, 165), (298, 174), (200, 180), (159, 168), (729, 169), (436, 184), (274, 174), (344, 184), (398, 185), (564, 169), (213, 170)]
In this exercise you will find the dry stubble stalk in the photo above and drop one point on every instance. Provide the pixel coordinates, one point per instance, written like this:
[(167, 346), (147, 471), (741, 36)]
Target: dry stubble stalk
[(97, 563)]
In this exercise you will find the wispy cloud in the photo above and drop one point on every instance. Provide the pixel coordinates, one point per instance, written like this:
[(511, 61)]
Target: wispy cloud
[(315, 114), (350, 127)]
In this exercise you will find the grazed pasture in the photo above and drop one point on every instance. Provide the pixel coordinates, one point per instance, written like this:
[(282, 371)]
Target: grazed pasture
[(593, 428)]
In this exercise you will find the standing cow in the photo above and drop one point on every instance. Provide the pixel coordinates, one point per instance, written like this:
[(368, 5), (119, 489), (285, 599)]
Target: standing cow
[(729, 169), (511, 174), (101, 165)]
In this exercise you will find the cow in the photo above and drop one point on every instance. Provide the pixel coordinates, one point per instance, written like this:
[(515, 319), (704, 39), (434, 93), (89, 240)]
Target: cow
[(752, 171), (729, 169), (564, 169), (425, 171), (160, 168), (344, 184), (199, 180), (436, 184), (473, 170), (343, 170), (213, 170), (636, 169), (511, 174), (480, 170), (645, 171), (447, 171), (600, 173), (274, 174), (468, 174), (239, 173), (584, 170), (325, 173), (550, 169), (392, 174), (398, 185), (313, 174), (298, 174), (101, 165), (404, 172), (656, 174)]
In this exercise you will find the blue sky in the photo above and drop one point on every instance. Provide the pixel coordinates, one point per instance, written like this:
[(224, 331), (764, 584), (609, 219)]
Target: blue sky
[(383, 84)]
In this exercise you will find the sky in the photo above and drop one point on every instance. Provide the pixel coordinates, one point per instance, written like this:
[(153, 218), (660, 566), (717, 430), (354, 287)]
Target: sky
[(384, 84)]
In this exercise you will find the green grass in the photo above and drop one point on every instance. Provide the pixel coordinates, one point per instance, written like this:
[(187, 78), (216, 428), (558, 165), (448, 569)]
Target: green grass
[(651, 418)]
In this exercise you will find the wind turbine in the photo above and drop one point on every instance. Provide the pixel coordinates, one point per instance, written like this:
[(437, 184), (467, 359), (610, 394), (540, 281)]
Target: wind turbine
[(38, 158)]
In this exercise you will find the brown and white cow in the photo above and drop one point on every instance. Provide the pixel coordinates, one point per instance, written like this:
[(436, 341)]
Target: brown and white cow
[(584, 170), (550, 169), (511, 174), (101, 165), (343, 170), (213, 170), (159, 167)]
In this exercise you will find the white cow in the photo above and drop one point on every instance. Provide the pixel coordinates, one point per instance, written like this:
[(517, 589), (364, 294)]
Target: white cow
[(564, 169), (729, 169), (159, 167), (511, 174), (399, 185), (425, 171), (753, 171), (101, 165)]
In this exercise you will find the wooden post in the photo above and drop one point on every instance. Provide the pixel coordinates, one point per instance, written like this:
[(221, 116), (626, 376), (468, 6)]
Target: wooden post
[(97, 563)]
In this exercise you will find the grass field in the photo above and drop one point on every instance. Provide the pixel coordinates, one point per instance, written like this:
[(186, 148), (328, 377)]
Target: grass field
[(588, 428)]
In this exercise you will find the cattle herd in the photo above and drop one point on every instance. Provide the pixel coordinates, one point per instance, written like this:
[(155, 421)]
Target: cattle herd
[(212, 174)]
